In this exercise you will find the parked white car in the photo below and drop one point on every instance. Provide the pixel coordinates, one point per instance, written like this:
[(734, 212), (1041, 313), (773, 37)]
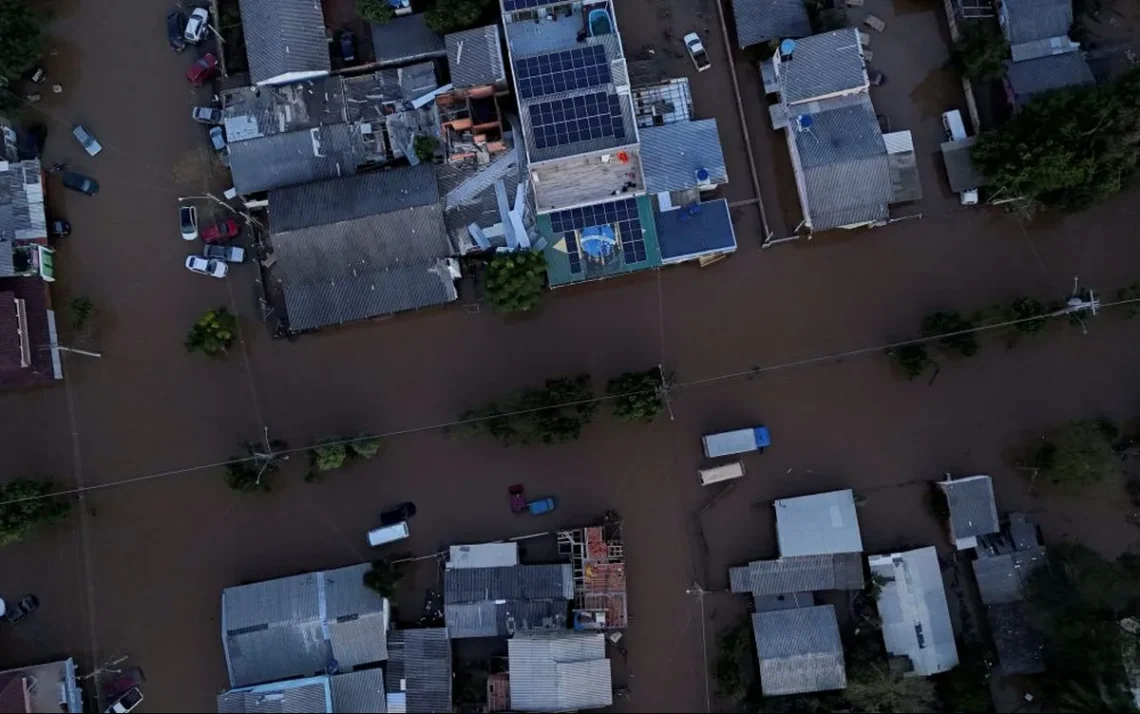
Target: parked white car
[(198, 25), (188, 222), (697, 51), (206, 266), (90, 143)]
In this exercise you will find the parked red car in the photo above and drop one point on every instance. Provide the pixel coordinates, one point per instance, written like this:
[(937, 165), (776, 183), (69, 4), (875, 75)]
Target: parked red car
[(220, 232), (202, 71)]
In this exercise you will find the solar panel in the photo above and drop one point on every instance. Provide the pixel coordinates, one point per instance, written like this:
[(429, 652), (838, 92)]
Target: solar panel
[(622, 215), (512, 5), (568, 121), (579, 68)]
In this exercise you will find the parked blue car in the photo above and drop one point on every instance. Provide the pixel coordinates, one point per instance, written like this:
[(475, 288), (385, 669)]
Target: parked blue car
[(542, 505)]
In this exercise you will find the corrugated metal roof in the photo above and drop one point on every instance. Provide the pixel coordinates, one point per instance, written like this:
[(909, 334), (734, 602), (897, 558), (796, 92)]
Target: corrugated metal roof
[(475, 57), (359, 692), (350, 198), (483, 555), (504, 617), (762, 20), (821, 65), (295, 697), (671, 154), (798, 574), (799, 650), (520, 582), (297, 157), (559, 671), (404, 39), (418, 672), (21, 205), (818, 524), (1020, 646), (1002, 578), (274, 630), (685, 233), (1032, 77), (913, 607), (973, 511), (1030, 20), (283, 36)]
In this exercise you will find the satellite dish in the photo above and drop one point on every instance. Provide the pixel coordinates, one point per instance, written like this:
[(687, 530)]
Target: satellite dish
[(787, 47)]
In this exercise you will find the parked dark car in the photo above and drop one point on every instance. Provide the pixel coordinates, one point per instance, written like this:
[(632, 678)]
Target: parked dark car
[(27, 605), (206, 115), (175, 26), (78, 182), (31, 144), (400, 513), (347, 42), (221, 231), (203, 70)]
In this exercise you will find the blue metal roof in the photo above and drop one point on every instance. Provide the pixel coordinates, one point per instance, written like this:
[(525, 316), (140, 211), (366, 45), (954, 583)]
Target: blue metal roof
[(685, 233)]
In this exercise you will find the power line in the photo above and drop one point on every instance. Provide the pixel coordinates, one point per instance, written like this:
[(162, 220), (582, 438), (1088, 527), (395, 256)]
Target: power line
[(519, 412)]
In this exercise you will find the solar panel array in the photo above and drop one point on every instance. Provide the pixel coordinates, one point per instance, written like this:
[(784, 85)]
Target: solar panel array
[(512, 5), (579, 68), (622, 215), (568, 121)]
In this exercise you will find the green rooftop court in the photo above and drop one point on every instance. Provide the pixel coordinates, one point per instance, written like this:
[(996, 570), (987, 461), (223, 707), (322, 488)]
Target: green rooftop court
[(600, 241)]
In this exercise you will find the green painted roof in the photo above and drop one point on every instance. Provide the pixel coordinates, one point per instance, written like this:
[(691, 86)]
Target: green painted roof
[(558, 261)]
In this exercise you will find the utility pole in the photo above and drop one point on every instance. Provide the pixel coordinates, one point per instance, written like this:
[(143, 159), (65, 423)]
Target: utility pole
[(664, 390), (1081, 301), (700, 592)]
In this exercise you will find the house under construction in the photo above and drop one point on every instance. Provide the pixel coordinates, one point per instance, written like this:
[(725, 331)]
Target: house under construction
[(597, 558)]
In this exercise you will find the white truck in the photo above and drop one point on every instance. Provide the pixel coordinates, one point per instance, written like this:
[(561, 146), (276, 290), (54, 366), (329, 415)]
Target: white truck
[(697, 51), (956, 131)]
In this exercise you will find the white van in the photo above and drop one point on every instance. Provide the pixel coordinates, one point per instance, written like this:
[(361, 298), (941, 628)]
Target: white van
[(388, 534), (956, 131), (721, 473)]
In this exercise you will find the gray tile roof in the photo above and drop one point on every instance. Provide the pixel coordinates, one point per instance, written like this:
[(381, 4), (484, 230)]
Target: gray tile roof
[(296, 626), (295, 697), (973, 511), (21, 203), (762, 20), (1020, 646), (475, 57), (914, 610), (488, 602), (419, 669), (799, 650), (798, 574), (672, 153), (1002, 578), (818, 524), (1032, 77), (360, 692), (1030, 20), (822, 65), (349, 199), (684, 234), (960, 166), (559, 671), (846, 171), (298, 157), (283, 36), (405, 39)]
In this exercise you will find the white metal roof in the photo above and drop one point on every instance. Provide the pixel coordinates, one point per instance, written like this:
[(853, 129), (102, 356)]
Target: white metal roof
[(818, 524)]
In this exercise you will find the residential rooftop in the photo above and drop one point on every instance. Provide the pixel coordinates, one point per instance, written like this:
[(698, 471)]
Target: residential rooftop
[(599, 241), (559, 671), (673, 154), (302, 625), (284, 39), (819, 524), (973, 510), (799, 650), (418, 672), (1034, 77), (760, 21), (501, 601), (361, 691), (822, 66), (475, 57), (694, 231), (1031, 20), (798, 574), (21, 202), (407, 39), (913, 607)]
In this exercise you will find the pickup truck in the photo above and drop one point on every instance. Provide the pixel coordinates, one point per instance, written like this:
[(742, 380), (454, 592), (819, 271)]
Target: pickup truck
[(90, 144), (697, 51)]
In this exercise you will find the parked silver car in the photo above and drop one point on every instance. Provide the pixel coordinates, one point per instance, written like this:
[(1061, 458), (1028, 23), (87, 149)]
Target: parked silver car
[(206, 266), (206, 115), (188, 222), (90, 143), (198, 26)]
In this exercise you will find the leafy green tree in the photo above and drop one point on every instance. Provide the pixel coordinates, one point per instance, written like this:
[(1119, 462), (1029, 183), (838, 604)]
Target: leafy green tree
[(873, 688), (447, 16), (380, 12), (365, 447), (981, 51), (213, 333), (555, 414), (949, 323), (911, 359), (966, 688), (516, 281), (425, 147), (245, 478), (19, 517), (1066, 149), (82, 310), (383, 578), (1033, 312), (328, 456), (22, 46), (637, 396), (733, 666), (1078, 454)]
